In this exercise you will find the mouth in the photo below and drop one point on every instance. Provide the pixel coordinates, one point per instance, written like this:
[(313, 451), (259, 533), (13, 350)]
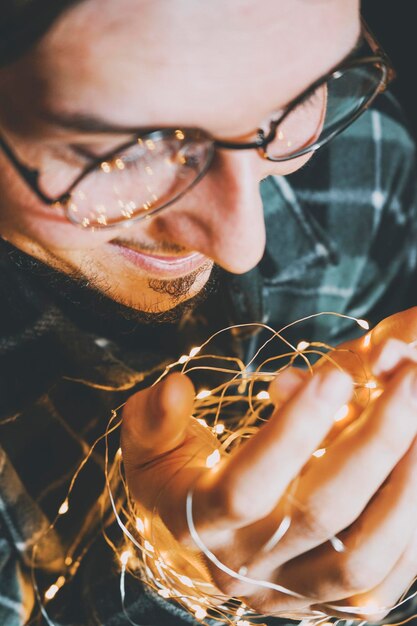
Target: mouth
[(164, 267)]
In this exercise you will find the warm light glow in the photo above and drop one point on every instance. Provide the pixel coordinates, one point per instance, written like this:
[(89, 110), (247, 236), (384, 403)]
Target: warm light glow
[(140, 526), (367, 340), (202, 422), (204, 393), (199, 611), (194, 351), (51, 592), (183, 359), (341, 413), (263, 395), (63, 508), (302, 345), (148, 546), (319, 453), (219, 429), (124, 557), (186, 581), (53, 589), (372, 384), (363, 324), (213, 459)]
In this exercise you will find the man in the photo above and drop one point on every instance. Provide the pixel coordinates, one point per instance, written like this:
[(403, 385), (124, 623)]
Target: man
[(133, 142)]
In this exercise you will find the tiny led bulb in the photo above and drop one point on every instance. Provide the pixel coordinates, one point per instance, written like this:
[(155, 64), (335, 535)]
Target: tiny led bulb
[(204, 393), (213, 459), (363, 324), (63, 508), (195, 351)]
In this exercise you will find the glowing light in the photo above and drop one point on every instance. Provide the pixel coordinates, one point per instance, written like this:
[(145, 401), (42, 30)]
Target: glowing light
[(68, 561), (63, 508), (124, 557), (319, 453), (204, 393), (183, 359), (179, 134), (202, 422), (372, 384), (140, 526), (199, 611), (367, 341), (363, 324), (53, 589), (338, 545), (303, 345), (106, 167), (341, 413), (85, 222), (194, 351), (51, 592), (219, 429), (213, 459), (263, 395), (186, 581), (148, 546), (119, 164)]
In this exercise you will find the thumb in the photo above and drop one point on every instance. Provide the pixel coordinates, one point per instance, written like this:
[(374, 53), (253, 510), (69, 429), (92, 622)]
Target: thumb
[(155, 419)]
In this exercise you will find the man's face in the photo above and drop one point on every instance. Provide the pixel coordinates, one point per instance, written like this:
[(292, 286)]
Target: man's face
[(223, 66)]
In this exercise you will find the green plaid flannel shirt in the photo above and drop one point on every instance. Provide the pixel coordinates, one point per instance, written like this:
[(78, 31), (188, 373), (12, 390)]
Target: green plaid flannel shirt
[(341, 236)]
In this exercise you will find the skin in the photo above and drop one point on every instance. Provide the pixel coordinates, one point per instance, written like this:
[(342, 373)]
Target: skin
[(229, 86), (223, 66)]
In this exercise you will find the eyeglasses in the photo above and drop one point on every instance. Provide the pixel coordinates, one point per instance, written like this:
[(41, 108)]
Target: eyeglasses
[(155, 169)]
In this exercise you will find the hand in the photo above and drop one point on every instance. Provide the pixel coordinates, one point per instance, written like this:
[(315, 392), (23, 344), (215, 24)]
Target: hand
[(239, 505)]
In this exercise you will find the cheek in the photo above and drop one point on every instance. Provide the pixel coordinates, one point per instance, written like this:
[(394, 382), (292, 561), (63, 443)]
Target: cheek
[(24, 218)]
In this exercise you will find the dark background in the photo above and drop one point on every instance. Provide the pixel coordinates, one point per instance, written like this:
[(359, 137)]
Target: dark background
[(394, 25)]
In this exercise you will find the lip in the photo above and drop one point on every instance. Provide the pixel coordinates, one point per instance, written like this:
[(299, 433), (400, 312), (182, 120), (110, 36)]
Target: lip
[(161, 266)]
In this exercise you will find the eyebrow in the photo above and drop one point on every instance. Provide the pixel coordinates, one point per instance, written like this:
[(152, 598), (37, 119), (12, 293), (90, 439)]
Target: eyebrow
[(92, 124)]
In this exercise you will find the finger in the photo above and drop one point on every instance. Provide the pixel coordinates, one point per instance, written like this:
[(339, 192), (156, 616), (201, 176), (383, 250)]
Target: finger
[(375, 604), (155, 419), (373, 543), (401, 326), (286, 383), (335, 488), (390, 355), (248, 485)]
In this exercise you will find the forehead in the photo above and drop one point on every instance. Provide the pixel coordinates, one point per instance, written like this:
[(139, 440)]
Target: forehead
[(220, 64)]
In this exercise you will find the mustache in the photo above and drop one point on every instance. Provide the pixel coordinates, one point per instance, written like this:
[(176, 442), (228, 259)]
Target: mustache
[(165, 247)]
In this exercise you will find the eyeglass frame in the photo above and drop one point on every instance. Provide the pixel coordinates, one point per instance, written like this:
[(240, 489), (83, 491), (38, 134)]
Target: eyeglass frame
[(379, 57)]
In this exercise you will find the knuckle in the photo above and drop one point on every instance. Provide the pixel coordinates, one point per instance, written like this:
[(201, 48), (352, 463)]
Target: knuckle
[(358, 576), (319, 522), (231, 503)]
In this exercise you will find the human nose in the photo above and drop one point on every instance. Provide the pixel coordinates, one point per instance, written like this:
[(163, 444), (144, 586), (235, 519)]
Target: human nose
[(225, 213)]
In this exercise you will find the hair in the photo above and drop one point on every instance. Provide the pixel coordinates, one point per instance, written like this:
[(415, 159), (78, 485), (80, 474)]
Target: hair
[(23, 22)]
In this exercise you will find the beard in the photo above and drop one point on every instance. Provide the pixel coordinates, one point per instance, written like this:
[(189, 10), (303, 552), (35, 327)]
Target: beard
[(91, 308)]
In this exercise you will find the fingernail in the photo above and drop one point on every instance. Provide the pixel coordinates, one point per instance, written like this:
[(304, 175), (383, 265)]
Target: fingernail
[(333, 384)]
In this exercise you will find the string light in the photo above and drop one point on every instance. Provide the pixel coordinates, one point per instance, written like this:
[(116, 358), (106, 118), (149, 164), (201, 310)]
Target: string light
[(63, 508), (196, 594), (213, 459)]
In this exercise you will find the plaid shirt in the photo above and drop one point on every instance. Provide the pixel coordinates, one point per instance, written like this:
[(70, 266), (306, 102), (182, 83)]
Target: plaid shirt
[(340, 237)]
